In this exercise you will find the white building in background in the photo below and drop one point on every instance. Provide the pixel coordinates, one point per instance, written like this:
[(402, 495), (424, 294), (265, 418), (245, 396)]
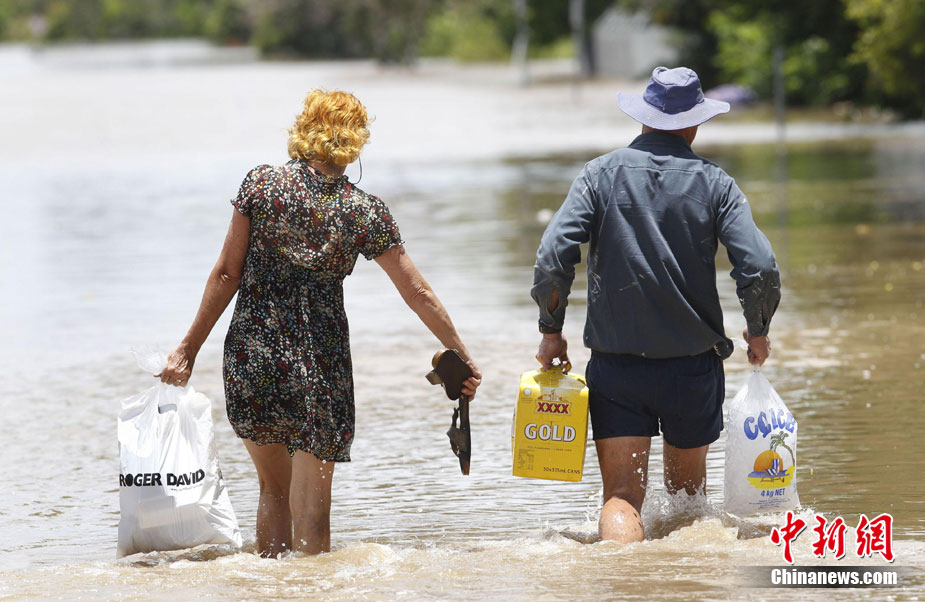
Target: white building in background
[(628, 45)]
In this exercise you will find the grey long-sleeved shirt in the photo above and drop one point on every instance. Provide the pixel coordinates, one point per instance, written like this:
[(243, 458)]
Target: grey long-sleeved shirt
[(653, 213)]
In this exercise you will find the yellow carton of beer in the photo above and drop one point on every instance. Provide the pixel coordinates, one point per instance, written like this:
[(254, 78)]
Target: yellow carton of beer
[(550, 426)]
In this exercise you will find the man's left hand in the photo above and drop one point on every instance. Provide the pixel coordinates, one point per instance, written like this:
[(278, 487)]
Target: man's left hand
[(551, 347)]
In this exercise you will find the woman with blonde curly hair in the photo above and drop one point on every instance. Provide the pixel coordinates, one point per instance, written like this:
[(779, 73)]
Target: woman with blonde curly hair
[(295, 234)]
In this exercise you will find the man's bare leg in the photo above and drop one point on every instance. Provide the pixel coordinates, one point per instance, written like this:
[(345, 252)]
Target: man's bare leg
[(624, 469), (686, 469)]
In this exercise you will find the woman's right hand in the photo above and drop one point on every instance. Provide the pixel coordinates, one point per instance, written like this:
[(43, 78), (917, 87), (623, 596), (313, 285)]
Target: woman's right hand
[(472, 383), (179, 366)]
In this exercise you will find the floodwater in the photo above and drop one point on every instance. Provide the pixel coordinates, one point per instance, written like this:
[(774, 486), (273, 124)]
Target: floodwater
[(115, 174)]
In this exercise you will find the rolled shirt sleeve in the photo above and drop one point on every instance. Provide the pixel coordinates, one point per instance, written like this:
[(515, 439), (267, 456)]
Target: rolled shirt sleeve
[(560, 251), (754, 267)]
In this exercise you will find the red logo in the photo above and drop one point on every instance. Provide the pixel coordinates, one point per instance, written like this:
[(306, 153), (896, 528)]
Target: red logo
[(787, 534), (831, 539), (552, 407), (874, 536)]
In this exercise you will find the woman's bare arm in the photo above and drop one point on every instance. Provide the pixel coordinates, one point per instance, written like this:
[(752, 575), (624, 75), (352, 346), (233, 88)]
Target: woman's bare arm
[(221, 287), (424, 302)]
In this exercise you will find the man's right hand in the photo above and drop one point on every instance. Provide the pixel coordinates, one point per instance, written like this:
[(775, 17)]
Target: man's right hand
[(551, 347), (759, 348)]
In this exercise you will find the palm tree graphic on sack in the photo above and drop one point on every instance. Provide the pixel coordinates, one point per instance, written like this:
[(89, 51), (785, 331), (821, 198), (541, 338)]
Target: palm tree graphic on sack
[(769, 471)]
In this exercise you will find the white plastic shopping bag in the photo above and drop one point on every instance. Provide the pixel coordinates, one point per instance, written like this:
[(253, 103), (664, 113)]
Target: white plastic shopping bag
[(171, 492), (761, 451)]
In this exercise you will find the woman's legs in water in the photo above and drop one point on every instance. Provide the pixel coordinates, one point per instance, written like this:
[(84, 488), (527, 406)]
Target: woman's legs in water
[(274, 473), (295, 495), (310, 503)]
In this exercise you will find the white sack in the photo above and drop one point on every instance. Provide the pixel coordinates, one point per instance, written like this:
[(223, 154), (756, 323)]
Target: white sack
[(171, 493), (761, 451)]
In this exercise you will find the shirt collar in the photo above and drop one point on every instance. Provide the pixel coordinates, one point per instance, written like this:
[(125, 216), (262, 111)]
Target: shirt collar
[(308, 169), (662, 141)]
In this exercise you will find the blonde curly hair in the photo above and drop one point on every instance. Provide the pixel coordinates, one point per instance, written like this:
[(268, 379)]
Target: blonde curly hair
[(333, 127)]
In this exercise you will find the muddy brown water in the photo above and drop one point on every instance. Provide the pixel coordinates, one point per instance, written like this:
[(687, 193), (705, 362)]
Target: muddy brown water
[(115, 185)]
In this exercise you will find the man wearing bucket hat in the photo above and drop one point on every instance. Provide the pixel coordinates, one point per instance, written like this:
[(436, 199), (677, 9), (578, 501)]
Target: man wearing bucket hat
[(654, 213)]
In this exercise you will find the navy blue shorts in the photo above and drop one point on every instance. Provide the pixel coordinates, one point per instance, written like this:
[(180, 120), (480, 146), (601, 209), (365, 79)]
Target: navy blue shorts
[(633, 396)]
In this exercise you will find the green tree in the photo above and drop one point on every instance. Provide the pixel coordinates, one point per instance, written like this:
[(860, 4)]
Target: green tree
[(386, 29), (73, 19), (229, 21), (306, 27), (470, 30), (6, 15), (549, 21), (892, 46), (107, 19), (732, 41), (742, 50), (393, 27), (815, 67), (481, 30)]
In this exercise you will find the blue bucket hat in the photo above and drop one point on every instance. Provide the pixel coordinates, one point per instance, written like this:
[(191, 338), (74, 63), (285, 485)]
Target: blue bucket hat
[(673, 100)]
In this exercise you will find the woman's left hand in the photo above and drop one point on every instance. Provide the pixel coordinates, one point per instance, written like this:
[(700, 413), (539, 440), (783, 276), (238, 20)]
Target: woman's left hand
[(179, 366), (472, 383)]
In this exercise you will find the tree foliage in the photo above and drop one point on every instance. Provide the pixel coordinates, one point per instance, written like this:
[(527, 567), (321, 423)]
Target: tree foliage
[(866, 51), (123, 19), (471, 30), (892, 45), (308, 28), (485, 29), (815, 41), (386, 29), (229, 22)]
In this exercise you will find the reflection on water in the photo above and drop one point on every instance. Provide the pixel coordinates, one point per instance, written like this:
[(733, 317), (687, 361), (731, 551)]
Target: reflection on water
[(98, 256)]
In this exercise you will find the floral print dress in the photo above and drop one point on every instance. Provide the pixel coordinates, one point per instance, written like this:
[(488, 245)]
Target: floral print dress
[(287, 369)]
